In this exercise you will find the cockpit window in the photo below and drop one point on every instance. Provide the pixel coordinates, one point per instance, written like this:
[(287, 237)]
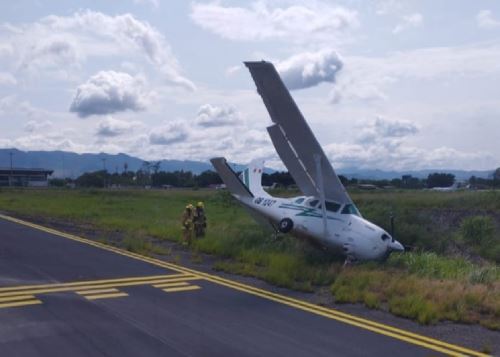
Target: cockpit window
[(350, 209), (313, 203), (385, 237), (299, 200), (331, 206)]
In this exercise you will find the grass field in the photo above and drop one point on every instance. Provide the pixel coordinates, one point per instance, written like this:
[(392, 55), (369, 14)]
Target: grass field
[(451, 274)]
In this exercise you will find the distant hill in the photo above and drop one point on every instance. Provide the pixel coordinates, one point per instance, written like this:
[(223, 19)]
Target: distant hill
[(70, 164)]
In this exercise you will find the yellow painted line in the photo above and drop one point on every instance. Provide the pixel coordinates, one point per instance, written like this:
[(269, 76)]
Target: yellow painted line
[(17, 297), (20, 303), (182, 288), (105, 296), (166, 285), (413, 338), (105, 281), (89, 287), (96, 291)]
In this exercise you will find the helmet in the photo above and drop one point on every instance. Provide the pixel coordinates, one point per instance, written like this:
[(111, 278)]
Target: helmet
[(199, 204)]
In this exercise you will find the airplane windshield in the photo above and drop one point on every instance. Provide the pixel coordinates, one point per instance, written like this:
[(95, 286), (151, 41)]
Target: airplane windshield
[(350, 209), (299, 200), (313, 203)]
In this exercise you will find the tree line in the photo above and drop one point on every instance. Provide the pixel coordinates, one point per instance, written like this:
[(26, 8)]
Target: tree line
[(283, 179)]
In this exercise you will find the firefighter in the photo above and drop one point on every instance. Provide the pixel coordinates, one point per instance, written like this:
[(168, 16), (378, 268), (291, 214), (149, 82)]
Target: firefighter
[(200, 220), (187, 224)]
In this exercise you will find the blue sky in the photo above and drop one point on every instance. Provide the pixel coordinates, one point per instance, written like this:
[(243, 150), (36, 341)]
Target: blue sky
[(384, 84)]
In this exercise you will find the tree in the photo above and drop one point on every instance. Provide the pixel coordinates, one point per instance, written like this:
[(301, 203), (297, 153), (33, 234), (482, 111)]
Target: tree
[(440, 180), (207, 178), (92, 179)]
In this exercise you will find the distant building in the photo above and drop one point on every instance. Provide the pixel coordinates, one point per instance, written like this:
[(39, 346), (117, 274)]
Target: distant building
[(24, 177)]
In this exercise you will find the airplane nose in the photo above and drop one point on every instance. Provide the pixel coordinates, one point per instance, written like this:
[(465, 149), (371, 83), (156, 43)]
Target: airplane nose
[(395, 246)]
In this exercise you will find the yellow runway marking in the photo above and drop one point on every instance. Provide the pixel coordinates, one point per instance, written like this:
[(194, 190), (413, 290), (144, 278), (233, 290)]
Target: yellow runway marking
[(181, 288), (166, 285), (383, 329), (105, 296), (16, 298), (138, 278), (57, 288), (96, 291), (20, 303)]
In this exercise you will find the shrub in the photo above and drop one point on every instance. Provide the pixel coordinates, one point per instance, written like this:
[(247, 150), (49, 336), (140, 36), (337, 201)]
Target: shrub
[(414, 307), (477, 230)]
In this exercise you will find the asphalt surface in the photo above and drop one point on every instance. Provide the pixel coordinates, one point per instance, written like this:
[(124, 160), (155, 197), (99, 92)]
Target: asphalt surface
[(120, 312)]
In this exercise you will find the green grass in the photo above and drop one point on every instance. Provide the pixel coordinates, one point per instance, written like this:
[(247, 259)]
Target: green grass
[(450, 275)]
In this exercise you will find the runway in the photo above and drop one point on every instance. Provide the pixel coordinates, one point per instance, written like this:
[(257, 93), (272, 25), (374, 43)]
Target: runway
[(63, 295)]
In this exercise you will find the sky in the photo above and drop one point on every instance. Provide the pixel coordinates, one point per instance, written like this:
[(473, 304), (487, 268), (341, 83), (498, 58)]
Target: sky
[(384, 84)]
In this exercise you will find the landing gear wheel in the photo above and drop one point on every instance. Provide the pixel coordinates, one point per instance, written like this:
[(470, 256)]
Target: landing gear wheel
[(285, 225)]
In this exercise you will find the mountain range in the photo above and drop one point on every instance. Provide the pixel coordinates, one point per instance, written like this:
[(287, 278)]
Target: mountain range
[(70, 164)]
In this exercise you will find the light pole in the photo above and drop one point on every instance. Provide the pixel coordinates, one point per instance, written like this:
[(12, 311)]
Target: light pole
[(11, 171), (104, 172)]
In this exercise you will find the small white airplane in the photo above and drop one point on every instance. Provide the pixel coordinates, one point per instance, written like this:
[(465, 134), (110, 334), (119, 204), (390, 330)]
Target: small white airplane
[(451, 188), (325, 213)]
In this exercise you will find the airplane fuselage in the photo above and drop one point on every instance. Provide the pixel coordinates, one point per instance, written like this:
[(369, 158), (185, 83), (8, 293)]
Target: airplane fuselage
[(346, 231)]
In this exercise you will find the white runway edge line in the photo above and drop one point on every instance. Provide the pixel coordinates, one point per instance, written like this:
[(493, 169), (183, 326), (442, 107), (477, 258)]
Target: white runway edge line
[(383, 329)]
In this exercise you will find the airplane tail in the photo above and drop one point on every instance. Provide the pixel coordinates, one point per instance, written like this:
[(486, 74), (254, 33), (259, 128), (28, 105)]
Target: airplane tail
[(247, 184), (252, 177)]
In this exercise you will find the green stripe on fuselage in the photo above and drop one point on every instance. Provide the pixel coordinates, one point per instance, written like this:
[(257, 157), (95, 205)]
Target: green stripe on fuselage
[(306, 212)]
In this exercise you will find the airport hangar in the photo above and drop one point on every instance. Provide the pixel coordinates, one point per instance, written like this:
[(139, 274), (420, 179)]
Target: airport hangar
[(24, 177)]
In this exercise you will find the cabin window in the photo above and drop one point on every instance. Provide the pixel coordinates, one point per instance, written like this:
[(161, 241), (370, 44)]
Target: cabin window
[(350, 209), (313, 203), (332, 206), (299, 200)]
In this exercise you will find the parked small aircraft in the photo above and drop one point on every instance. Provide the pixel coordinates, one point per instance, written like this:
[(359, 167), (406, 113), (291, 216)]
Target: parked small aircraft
[(325, 213), (451, 188)]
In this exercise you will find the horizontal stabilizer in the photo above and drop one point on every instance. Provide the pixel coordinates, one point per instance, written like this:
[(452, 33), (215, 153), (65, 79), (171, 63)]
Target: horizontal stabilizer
[(231, 180)]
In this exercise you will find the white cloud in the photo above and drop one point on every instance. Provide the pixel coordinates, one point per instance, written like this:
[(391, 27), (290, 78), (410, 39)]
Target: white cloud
[(110, 92), (34, 126), (301, 23), (409, 21), (215, 116), (383, 144), (153, 3), (111, 127), (51, 52), (310, 68), (485, 19), (169, 133), (7, 79), (385, 7), (6, 50), (44, 141), (11, 105), (366, 78), (386, 130), (65, 42)]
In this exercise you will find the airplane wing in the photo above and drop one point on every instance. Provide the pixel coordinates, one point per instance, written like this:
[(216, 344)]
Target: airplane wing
[(291, 129)]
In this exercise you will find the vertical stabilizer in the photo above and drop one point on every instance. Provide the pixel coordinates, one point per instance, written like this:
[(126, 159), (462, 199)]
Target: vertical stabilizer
[(252, 177)]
